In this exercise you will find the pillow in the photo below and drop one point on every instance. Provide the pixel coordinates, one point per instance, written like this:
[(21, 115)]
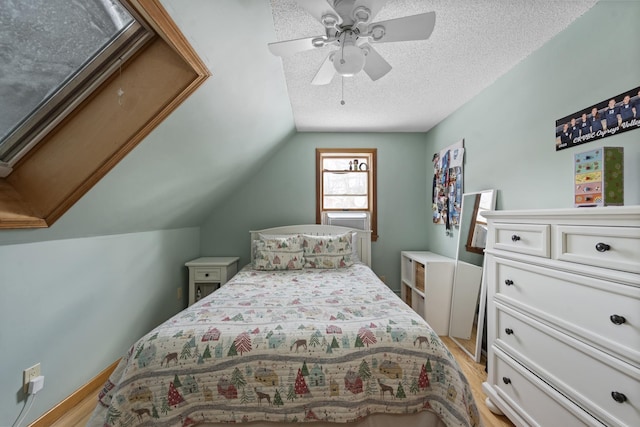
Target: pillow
[(327, 251), (278, 253), (355, 256)]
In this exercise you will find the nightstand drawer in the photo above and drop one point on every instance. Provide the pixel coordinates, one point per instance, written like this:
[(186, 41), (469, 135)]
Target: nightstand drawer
[(616, 248), (207, 274), (530, 239)]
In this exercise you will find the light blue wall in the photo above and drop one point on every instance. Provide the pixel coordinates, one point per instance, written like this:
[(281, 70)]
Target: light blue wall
[(81, 302), (509, 129), (76, 305), (283, 192)]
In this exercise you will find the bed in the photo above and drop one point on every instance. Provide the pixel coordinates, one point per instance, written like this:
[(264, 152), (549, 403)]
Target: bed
[(306, 332)]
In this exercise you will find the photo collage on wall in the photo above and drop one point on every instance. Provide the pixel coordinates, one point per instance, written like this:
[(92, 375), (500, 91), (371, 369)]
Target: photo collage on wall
[(615, 115), (448, 185)]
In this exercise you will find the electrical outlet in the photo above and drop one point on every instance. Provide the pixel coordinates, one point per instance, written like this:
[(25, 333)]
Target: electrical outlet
[(29, 374), (179, 294)]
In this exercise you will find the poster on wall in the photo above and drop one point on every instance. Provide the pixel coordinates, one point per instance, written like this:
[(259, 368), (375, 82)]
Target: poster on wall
[(612, 116), (447, 185)]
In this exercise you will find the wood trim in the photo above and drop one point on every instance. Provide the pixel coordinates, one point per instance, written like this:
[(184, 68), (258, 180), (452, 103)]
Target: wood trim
[(373, 177), (472, 227), (155, 14), (87, 145), (14, 211), (319, 152), (75, 398)]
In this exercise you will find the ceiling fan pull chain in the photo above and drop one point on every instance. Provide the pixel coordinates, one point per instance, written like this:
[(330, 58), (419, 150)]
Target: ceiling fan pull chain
[(342, 82)]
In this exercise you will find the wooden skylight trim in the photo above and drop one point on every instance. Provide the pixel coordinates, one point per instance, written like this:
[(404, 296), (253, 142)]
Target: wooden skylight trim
[(48, 181)]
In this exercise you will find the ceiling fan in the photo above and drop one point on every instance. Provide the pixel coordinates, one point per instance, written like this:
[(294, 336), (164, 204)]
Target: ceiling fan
[(349, 26)]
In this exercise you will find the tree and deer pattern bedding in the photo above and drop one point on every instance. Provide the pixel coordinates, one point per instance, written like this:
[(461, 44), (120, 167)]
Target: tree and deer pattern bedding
[(288, 346)]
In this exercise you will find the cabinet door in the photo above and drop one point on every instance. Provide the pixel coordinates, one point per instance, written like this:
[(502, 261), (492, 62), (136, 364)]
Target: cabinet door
[(204, 289), (438, 288)]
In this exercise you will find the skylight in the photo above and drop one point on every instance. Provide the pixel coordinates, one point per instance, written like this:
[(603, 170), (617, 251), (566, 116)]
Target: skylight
[(53, 54)]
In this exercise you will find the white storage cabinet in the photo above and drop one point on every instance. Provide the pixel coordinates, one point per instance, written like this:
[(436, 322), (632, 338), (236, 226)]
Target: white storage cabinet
[(426, 286)]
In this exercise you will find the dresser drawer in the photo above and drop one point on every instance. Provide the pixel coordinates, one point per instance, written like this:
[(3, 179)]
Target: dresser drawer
[(530, 239), (543, 406), (616, 248), (208, 274), (581, 305), (585, 375)]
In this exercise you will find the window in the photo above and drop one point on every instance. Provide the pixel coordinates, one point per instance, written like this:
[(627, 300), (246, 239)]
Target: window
[(346, 182), (60, 53)]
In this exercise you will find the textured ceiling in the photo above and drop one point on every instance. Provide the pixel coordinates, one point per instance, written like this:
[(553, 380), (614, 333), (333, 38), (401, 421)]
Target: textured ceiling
[(474, 42)]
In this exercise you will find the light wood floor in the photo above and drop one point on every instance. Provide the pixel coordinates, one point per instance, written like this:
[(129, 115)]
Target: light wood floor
[(475, 373)]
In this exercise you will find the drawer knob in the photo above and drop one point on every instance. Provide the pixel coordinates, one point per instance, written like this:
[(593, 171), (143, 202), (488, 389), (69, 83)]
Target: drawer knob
[(618, 397), (515, 238), (508, 331), (206, 274), (602, 247), (508, 282), (618, 320), (507, 380)]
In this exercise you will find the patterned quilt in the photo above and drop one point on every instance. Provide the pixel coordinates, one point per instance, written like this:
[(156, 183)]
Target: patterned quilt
[(288, 346)]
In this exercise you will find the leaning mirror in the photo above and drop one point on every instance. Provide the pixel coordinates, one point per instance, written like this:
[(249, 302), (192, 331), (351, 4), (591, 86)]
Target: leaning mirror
[(468, 299)]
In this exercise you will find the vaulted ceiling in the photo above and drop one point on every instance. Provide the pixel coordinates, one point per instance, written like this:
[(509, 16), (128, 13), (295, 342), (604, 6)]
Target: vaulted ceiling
[(474, 42), (254, 101)]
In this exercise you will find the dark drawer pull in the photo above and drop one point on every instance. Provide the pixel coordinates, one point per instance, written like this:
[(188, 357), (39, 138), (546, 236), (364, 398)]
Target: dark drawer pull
[(507, 380), (618, 320), (508, 282), (508, 331), (206, 274), (618, 397), (602, 247), (515, 238)]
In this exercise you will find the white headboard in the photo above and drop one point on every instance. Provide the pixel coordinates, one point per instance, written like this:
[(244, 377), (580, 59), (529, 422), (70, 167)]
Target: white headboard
[(362, 238)]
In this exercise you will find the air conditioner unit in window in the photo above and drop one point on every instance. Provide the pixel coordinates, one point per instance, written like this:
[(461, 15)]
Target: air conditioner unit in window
[(358, 220)]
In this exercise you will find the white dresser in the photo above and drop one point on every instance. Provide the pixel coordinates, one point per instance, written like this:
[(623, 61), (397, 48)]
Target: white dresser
[(563, 289)]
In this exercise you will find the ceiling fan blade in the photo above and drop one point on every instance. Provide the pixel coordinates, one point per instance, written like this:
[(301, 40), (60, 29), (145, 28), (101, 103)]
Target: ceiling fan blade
[(326, 72), (416, 27), (319, 8), (289, 47), (375, 66)]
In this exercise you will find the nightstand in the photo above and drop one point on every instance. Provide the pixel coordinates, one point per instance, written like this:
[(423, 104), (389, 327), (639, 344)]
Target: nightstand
[(207, 274)]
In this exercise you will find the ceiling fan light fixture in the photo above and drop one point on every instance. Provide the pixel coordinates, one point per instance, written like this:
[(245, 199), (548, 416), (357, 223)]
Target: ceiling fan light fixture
[(377, 33), (361, 15), (349, 60), (330, 21), (348, 25)]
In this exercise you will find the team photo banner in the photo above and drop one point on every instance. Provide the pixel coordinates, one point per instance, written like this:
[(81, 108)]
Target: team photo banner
[(612, 116)]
